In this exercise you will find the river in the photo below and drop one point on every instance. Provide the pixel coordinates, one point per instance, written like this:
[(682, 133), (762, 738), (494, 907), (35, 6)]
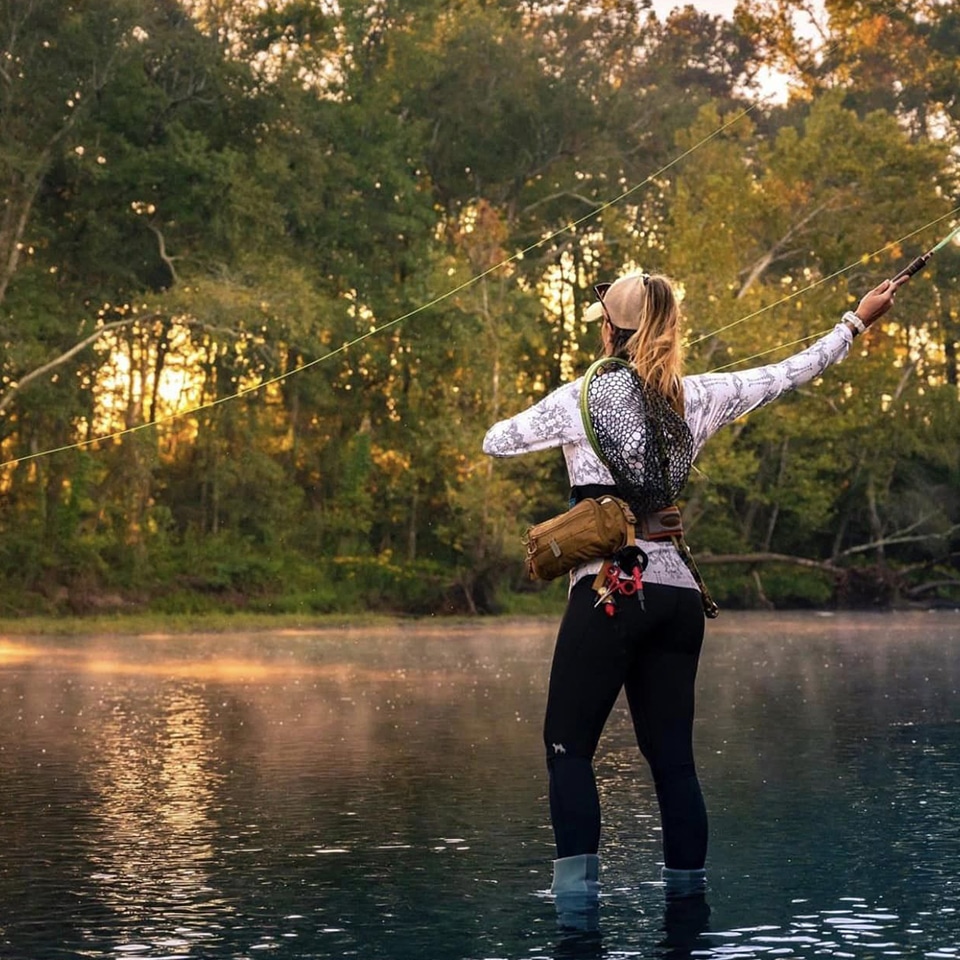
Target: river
[(381, 793)]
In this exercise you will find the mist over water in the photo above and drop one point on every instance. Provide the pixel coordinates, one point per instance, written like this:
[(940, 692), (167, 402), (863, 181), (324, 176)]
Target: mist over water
[(382, 793)]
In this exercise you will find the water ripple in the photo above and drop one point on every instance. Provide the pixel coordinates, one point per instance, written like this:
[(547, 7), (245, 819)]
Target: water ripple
[(383, 795)]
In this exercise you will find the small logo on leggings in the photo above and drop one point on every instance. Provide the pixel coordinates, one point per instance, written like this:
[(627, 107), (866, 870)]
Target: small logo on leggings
[(559, 748)]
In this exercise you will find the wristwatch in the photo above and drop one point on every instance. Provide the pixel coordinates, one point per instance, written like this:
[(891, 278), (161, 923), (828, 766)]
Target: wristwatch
[(856, 324)]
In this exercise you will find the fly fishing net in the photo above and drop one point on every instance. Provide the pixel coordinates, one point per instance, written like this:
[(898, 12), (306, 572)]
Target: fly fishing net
[(645, 443)]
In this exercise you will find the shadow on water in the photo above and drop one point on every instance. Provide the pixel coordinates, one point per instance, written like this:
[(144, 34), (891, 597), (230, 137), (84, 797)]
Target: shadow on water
[(382, 795)]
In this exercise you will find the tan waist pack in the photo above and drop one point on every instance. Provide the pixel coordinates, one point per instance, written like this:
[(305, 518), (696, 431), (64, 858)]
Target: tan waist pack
[(590, 530)]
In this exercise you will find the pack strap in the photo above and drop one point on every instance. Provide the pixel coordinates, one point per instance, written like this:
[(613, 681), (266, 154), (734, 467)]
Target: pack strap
[(592, 371), (710, 609)]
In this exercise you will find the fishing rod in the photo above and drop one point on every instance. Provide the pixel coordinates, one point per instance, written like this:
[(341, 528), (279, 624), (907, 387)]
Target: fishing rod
[(893, 244), (917, 265)]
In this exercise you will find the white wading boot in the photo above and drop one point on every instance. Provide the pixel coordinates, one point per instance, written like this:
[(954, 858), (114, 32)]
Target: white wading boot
[(576, 889), (683, 883)]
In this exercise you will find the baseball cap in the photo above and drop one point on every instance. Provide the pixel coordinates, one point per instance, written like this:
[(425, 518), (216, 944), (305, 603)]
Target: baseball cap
[(621, 300)]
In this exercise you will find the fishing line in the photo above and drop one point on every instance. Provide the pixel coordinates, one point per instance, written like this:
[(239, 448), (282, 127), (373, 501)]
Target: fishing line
[(763, 353), (158, 421), (392, 323), (914, 267)]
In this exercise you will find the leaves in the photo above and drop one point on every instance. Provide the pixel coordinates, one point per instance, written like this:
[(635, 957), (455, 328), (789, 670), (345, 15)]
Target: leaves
[(245, 199)]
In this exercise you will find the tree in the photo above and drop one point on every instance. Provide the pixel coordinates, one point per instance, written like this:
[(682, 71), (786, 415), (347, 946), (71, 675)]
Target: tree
[(751, 227)]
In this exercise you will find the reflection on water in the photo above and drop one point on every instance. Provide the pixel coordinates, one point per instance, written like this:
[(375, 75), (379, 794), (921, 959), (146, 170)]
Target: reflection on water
[(853, 929), (157, 770), (382, 795)]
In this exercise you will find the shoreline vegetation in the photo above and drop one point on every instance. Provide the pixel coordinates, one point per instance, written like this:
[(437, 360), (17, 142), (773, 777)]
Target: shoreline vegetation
[(144, 624), (361, 595)]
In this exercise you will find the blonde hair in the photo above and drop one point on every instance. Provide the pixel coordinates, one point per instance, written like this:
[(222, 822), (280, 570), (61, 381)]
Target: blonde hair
[(655, 350)]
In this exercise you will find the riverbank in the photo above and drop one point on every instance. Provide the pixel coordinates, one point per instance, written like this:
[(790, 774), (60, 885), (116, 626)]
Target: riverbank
[(135, 623)]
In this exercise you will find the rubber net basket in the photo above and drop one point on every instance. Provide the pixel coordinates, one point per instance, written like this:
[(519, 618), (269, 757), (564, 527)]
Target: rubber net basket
[(645, 443)]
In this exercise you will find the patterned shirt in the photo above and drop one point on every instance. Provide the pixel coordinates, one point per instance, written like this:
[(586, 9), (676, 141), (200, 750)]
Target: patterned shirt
[(711, 400)]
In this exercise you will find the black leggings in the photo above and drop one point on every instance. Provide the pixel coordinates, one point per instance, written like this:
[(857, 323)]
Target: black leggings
[(653, 654)]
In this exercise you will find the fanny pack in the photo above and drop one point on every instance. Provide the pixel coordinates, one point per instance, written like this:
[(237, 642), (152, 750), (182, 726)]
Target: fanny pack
[(594, 528)]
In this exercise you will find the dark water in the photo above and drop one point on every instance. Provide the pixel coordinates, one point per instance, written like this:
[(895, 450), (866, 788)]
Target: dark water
[(382, 795)]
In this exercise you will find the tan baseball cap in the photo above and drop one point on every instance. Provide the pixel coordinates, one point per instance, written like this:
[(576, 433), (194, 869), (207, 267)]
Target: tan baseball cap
[(622, 301)]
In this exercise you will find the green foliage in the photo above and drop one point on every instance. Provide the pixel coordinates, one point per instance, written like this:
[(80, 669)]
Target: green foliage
[(245, 200), (737, 587)]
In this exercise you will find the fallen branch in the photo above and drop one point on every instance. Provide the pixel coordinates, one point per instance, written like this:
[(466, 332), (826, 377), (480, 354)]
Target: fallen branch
[(749, 558), (931, 585), (898, 538)]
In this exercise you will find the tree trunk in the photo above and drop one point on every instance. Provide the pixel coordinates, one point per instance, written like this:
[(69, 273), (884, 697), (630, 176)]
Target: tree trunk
[(763, 599), (775, 512), (21, 196), (876, 525), (412, 526), (163, 346)]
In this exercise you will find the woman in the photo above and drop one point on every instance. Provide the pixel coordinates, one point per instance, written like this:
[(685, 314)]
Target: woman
[(651, 646)]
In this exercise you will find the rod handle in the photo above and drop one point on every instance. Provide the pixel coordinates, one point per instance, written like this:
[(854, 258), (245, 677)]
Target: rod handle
[(914, 267)]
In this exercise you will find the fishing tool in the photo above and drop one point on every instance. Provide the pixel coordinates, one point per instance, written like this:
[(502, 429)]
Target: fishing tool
[(611, 581), (917, 265)]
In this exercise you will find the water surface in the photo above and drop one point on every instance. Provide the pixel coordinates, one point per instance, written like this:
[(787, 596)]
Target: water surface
[(381, 794)]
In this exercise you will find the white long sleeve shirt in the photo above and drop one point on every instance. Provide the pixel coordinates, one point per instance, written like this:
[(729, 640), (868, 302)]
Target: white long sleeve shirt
[(711, 400)]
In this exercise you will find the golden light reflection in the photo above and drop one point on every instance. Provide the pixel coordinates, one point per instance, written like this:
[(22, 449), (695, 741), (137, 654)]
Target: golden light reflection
[(225, 669), (12, 653), (155, 774)]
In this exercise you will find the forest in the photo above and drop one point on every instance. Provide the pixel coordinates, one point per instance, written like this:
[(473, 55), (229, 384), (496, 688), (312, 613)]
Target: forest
[(269, 270)]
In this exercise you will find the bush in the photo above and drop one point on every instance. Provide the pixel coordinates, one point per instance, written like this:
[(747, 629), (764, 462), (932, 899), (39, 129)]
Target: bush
[(784, 586)]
